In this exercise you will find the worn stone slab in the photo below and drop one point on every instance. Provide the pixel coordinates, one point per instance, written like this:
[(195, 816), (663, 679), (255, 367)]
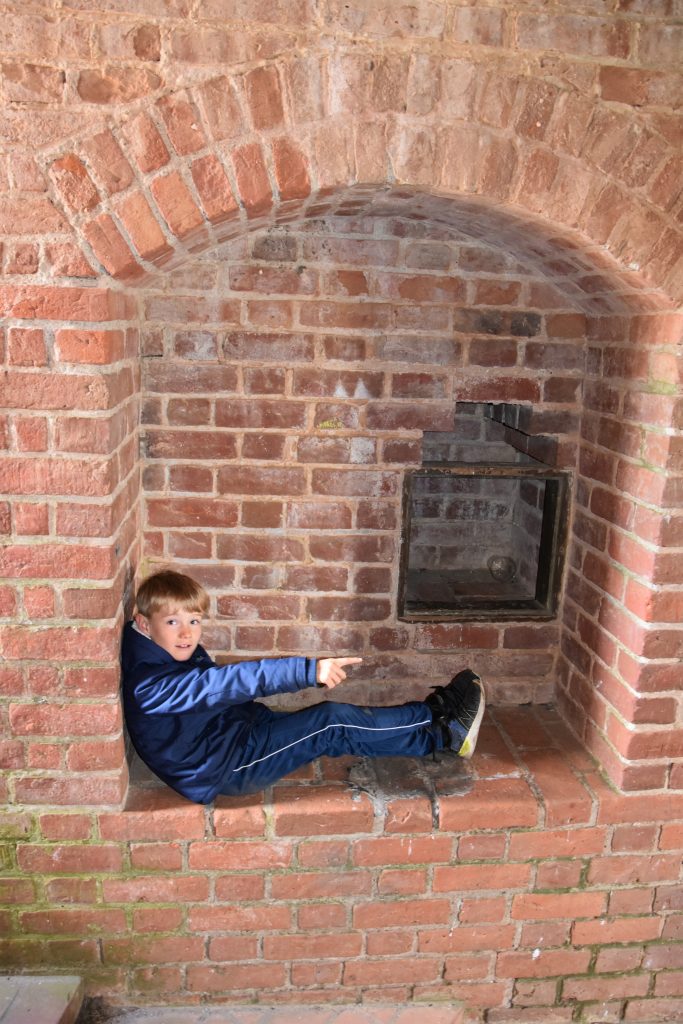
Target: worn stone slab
[(376, 1013), (49, 999)]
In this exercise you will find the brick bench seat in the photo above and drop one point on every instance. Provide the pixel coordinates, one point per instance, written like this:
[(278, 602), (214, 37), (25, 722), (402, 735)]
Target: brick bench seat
[(519, 884), (529, 772)]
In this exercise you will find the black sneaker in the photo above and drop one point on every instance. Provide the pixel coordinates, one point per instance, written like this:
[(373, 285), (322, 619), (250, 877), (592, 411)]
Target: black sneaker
[(459, 708)]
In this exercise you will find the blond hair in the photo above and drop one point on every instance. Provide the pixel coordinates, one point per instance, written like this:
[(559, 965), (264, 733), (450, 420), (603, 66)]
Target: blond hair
[(170, 589)]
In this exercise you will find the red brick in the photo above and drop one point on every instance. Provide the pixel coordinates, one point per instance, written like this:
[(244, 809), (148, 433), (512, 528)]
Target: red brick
[(396, 913), (358, 483), (156, 856), (164, 949), (262, 88), (71, 859), (108, 161), (344, 384), (95, 756), (157, 919), (39, 602), (46, 302), (176, 204), (232, 948), (354, 609), (26, 347), (306, 812), (114, 84), (567, 801), (56, 561), (499, 803), (110, 248), (156, 889), (31, 436), (143, 228), (182, 124), (74, 920), (67, 260), (252, 178), (147, 146), (74, 184), (322, 884), (291, 170), (454, 637), (615, 930), (415, 850), (618, 960), (634, 838), (265, 480), (465, 938), (65, 826), (633, 870), (221, 108), (481, 877), (339, 548), (542, 963), (17, 890), (224, 979), (606, 988), (547, 907), (57, 790), (64, 719), (671, 837), (231, 856), (402, 883), (94, 347), (214, 189)]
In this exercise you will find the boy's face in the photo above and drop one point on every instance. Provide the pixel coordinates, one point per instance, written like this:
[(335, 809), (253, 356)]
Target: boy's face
[(178, 632)]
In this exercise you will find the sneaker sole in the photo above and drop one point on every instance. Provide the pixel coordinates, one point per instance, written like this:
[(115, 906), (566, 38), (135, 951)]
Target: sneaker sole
[(470, 741)]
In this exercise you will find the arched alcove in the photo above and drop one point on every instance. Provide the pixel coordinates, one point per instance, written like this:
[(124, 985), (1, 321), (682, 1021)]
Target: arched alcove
[(521, 170), (338, 338)]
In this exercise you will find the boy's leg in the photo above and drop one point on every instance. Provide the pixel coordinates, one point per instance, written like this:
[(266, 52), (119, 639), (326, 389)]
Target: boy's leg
[(281, 742)]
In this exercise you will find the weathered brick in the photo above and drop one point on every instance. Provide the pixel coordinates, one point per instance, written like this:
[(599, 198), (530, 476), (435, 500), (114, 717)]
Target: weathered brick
[(252, 178), (74, 184), (214, 189), (176, 204), (143, 228), (182, 123), (110, 247)]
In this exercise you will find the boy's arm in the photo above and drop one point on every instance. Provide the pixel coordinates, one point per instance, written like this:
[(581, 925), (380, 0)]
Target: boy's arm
[(213, 687)]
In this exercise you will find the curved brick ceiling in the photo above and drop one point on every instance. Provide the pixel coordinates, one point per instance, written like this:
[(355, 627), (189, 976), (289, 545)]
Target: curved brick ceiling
[(186, 170)]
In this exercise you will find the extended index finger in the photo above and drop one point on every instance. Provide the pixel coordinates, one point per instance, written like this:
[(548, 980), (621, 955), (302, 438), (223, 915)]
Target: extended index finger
[(348, 661)]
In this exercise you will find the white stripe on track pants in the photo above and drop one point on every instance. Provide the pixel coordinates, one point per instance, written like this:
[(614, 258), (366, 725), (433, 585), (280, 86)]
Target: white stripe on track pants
[(280, 742)]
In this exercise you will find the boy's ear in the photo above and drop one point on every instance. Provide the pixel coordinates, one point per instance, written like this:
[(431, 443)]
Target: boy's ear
[(141, 622)]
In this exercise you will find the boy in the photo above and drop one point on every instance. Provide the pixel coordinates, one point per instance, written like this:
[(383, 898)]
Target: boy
[(197, 726)]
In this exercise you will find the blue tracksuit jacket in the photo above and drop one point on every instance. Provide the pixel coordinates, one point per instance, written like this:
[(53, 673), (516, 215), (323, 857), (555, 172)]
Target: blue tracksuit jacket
[(187, 719)]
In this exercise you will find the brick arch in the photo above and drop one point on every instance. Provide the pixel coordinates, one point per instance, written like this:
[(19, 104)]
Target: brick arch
[(198, 165)]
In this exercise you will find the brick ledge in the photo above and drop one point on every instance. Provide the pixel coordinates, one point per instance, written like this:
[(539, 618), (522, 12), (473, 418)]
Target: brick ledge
[(529, 771)]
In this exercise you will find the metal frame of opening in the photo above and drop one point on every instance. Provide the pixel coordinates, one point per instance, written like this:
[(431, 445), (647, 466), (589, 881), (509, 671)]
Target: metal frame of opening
[(551, 554)]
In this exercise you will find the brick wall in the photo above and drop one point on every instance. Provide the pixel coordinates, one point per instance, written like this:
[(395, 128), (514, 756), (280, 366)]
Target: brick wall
[(522, 886), (335, 349), (278, 203)]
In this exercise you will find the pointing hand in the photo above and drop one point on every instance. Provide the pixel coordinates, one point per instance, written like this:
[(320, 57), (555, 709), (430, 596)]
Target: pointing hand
[(330, 671)]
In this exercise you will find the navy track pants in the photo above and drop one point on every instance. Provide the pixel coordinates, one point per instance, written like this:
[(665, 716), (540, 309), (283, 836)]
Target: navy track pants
[(279, 742)]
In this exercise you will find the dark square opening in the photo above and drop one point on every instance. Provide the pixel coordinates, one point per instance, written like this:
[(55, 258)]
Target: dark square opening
[(482, 541)]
